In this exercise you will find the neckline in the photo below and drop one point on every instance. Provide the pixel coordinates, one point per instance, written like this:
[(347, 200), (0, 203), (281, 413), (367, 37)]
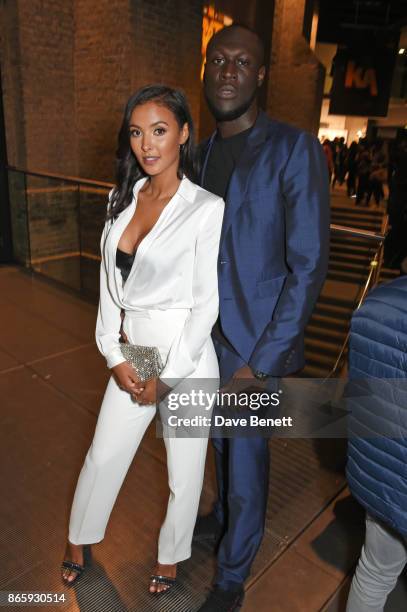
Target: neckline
[(149, 237), (136, 196), (228, 139)]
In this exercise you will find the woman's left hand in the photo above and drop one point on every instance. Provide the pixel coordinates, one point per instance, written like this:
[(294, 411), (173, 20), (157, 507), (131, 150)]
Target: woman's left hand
[(149, 395)]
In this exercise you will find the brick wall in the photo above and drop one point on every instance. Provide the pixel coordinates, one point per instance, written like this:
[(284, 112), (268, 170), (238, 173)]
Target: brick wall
[(168, 46), (68, 67), (12, 83), (296, 77), (103, 49), (37, 67), (122, 45)]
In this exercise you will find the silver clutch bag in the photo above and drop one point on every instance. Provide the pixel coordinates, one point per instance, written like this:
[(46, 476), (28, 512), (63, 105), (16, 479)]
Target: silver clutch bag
[(146, 360)]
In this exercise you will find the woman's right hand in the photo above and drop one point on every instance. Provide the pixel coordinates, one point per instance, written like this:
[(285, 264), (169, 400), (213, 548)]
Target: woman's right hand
[(127, 379)]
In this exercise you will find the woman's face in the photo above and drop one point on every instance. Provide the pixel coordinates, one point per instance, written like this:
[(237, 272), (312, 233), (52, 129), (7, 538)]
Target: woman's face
[(155, 138)]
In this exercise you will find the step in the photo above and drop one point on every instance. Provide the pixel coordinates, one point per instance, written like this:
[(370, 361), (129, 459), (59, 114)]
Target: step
[(347, 277), (313, 371), (317, 356), (346, 247), (334, 312), (323, 348), (330, 331), (339, 294), (356, 211), (366, 243), (352, 267), (358, 224), (350, 258), (359, 216)]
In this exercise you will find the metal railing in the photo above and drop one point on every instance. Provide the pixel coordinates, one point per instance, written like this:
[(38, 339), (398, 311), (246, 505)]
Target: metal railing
[(373, 277)]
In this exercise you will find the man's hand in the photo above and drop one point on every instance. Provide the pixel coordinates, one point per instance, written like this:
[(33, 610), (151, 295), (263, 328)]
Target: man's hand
[(243, 379), (127, 379), (244, 372)]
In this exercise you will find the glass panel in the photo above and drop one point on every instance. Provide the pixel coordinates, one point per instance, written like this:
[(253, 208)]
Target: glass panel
[(54, 229), (19, 220), (93, 203)]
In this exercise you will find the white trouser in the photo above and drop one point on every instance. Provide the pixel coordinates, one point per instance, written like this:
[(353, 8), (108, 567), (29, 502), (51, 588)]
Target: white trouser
[(119, 431), (383, 558)]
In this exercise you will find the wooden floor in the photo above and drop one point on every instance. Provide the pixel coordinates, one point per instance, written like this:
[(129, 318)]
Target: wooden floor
[(51, 383)]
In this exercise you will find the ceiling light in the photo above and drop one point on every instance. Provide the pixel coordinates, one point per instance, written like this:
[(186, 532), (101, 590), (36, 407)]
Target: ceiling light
[(401, 51)]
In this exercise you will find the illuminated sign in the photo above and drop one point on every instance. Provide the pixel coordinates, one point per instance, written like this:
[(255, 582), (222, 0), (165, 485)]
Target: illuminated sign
[(359, 77), (362, 80)]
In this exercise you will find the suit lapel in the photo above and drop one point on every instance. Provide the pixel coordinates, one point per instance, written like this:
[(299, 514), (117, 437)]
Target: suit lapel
[(240, 176), (208, 147)]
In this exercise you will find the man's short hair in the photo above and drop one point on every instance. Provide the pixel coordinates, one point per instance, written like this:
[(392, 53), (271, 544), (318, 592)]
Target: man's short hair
[(241, 26)]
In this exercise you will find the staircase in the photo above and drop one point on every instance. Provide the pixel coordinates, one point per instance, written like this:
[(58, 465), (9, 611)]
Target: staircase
[(349, 265)]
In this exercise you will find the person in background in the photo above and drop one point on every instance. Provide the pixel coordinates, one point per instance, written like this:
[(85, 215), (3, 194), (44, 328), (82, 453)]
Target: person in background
[(340, 152), (377, 449), (378, 174), (395, 247), (351, 167), (363, 162), (329, 157)]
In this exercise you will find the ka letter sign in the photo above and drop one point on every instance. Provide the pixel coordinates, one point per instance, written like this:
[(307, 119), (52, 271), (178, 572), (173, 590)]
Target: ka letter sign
[(361, 78)]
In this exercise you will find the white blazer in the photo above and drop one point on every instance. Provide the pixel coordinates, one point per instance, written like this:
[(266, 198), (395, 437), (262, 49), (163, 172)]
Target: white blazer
[(175, 267)]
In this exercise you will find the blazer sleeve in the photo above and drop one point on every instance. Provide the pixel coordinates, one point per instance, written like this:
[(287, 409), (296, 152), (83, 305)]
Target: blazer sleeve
[(108, 319), (188, 346), (305, 187)]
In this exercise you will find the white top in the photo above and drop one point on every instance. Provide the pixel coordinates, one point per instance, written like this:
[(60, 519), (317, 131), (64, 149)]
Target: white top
[(175, 267)]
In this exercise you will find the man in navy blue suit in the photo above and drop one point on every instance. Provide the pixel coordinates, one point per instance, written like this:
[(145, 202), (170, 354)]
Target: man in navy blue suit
[(272, 264)]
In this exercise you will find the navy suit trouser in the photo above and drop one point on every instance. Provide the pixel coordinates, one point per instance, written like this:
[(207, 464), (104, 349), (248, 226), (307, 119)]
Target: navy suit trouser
[(242, 470)]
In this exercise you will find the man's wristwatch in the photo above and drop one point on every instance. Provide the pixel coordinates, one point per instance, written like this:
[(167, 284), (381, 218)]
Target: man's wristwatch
[(260, 375)]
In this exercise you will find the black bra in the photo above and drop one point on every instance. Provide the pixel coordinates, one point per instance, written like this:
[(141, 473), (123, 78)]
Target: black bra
[(124, 261)]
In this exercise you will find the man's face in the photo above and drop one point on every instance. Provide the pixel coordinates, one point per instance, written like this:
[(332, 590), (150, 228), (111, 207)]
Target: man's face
[(233, 73)]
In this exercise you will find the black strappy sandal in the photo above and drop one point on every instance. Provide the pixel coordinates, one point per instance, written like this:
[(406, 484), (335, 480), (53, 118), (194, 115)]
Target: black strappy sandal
[(76, 567), (165, 580), (79, 569)]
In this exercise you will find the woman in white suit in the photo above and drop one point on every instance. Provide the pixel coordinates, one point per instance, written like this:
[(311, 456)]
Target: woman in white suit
[(159, 267)]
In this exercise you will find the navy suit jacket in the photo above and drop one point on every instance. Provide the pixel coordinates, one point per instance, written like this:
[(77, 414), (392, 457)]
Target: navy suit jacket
[(274, 246)]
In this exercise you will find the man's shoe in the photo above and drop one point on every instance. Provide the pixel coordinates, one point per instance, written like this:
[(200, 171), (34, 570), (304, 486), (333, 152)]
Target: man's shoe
[(207, 528), (220, 600)]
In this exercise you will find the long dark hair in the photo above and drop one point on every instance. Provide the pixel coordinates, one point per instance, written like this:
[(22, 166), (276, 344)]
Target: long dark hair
[(128, 170)]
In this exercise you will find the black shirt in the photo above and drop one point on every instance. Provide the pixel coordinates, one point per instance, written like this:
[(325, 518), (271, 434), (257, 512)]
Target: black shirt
[(222, 160)]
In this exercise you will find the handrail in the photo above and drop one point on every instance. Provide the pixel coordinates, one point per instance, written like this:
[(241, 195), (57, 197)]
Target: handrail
[(345, 229), (354, 231), (62, 177), (371, 281)]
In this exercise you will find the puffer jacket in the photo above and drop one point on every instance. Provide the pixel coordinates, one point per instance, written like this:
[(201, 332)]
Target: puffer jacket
[(377, 399)]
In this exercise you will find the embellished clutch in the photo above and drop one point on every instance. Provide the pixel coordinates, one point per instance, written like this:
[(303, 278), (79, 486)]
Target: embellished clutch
[(146, 360)]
